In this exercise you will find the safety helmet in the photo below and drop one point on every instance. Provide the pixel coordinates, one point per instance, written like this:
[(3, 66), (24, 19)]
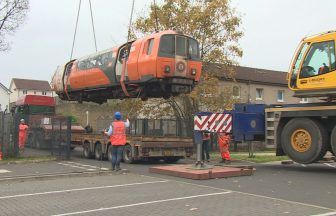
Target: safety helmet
[(22, 120), (117, 115)]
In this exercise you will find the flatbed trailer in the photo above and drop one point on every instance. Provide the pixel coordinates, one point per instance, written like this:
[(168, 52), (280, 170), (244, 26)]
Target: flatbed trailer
[(170, 149)]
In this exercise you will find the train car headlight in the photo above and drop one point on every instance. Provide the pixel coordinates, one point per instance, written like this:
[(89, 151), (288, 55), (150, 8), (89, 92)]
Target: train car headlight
[(167, 69), (193, 71)]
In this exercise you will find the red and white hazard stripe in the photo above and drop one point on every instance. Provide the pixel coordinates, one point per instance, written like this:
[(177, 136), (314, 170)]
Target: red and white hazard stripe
[(217, 122)]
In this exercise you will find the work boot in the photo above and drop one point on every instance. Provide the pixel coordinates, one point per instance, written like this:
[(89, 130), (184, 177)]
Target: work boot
[(117, 169)]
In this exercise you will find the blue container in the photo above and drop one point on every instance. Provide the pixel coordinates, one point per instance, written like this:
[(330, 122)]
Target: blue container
[(248, 122)]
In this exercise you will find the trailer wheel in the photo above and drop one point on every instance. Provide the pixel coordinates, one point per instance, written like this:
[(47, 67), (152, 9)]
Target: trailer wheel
[(333, 141), (109, 153), (304, 140), (86, 151), (98, 151), (128, 154)]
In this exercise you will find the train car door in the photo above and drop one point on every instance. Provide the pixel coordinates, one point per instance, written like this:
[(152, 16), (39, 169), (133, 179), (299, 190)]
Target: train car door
[(121, 62), (181, 55)]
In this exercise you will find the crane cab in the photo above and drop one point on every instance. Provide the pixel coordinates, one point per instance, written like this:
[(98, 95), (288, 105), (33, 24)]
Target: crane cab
[(313, 71)]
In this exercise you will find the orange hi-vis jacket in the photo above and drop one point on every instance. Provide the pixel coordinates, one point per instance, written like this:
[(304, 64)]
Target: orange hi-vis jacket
[(118, 136)]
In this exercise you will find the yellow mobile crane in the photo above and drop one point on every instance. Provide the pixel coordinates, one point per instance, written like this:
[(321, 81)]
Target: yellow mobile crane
[(305, 132)]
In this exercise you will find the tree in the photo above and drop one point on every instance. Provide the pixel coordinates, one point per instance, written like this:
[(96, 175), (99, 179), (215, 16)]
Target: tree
[(12, 15), (215, 24)]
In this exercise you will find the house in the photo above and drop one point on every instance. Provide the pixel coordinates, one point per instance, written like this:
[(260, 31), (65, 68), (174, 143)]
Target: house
[(259, 86), (20, 87), (4, 97)]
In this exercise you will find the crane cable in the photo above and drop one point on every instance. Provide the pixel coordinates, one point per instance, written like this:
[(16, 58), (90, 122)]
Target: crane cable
[(74, 37), (124, 65), (156, 18), (93, 28), (130, 22)]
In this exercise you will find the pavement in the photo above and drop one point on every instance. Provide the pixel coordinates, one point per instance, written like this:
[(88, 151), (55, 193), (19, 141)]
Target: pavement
[(274, 189)]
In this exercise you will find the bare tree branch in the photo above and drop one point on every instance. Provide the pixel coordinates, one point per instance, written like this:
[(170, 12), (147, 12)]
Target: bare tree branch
[(12, 15)]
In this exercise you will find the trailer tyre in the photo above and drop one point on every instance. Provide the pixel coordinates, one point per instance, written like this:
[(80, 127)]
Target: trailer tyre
[(109, 153), (98, 152), (86, 151), (304, 140), (333, 141), (128, 154)]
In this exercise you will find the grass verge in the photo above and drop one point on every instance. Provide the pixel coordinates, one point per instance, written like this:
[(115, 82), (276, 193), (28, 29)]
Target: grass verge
[(244, 156)]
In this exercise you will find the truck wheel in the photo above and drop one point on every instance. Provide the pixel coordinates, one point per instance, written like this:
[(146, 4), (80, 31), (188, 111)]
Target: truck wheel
[(98, 152), (86, 151), (128, 154), (109, 153), (333, 141), (304, 140)]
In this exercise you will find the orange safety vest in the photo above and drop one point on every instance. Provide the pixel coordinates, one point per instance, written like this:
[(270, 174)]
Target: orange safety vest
[(23, 130), (118, 136)]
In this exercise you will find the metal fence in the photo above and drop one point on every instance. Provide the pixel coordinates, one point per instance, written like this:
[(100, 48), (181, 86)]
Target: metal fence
[(47, 135), (8, 135), (150, 127)]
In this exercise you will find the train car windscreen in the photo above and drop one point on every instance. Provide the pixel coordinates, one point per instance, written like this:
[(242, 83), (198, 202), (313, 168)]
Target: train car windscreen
[(172, 45)]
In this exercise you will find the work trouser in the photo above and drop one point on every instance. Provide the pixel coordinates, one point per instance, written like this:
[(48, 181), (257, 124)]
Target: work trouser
[(223, 142), (117, 151), (205, 150), (22, 141)]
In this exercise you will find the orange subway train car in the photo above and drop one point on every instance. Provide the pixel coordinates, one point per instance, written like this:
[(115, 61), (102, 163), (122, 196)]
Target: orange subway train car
[(162, 64)]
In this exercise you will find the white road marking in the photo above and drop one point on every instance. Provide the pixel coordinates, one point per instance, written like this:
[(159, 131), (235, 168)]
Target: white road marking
[(73, 166), (80, 164), (327, 214), (250, 194), (144, 203), (329, 165), (4, 171), (80, 189), (303, 165)]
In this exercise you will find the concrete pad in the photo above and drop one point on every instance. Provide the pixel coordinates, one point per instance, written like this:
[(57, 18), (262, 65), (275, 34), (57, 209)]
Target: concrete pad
[(186, 171)]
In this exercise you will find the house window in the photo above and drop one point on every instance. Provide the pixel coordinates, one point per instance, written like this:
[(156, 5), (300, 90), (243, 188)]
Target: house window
[(236, 92), (24, 92), (280, 96), (259, 93), (304, 100), (44, 93)]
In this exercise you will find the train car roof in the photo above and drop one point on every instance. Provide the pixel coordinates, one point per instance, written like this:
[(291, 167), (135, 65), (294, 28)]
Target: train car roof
[(37, 100), (114, 49)]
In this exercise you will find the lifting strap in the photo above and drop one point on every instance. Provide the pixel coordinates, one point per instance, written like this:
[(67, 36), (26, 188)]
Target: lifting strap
[(123, 71), (122, 79)]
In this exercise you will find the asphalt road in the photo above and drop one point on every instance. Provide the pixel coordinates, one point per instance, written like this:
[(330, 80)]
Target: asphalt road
[(274, 189), (312, 184)]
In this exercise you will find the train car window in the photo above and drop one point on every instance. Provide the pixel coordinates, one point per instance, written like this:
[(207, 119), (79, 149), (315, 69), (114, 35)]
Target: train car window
[(181, 43), (193, 49), (150, 46), (167, 46)]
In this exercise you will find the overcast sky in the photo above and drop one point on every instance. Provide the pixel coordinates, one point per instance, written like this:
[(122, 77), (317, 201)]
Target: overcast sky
[(272, 31)]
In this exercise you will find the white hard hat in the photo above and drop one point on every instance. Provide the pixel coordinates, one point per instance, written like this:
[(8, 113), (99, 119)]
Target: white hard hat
[(22, 120)]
